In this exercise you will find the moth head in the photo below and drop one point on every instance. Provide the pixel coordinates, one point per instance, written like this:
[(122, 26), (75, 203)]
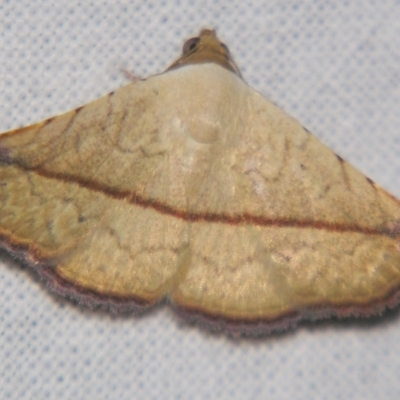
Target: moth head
[(206, 48)]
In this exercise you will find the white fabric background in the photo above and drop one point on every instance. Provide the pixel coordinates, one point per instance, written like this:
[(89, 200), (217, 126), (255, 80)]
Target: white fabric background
[(334, 65)]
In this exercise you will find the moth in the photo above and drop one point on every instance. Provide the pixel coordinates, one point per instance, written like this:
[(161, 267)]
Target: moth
[(192, 188)]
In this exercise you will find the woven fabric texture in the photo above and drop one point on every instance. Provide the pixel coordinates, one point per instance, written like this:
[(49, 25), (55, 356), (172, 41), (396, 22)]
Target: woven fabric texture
[(333, 65)]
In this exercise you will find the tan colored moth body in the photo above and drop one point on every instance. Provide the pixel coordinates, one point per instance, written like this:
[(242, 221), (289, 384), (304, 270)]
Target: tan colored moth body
[(192, 186)]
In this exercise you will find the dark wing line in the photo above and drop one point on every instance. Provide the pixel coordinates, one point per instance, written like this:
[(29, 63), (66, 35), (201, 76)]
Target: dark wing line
[(240, 219)]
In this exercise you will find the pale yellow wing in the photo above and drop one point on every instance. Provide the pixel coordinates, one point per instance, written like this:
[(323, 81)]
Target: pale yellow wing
[(192, 186), (70, 192), (287, 227)]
